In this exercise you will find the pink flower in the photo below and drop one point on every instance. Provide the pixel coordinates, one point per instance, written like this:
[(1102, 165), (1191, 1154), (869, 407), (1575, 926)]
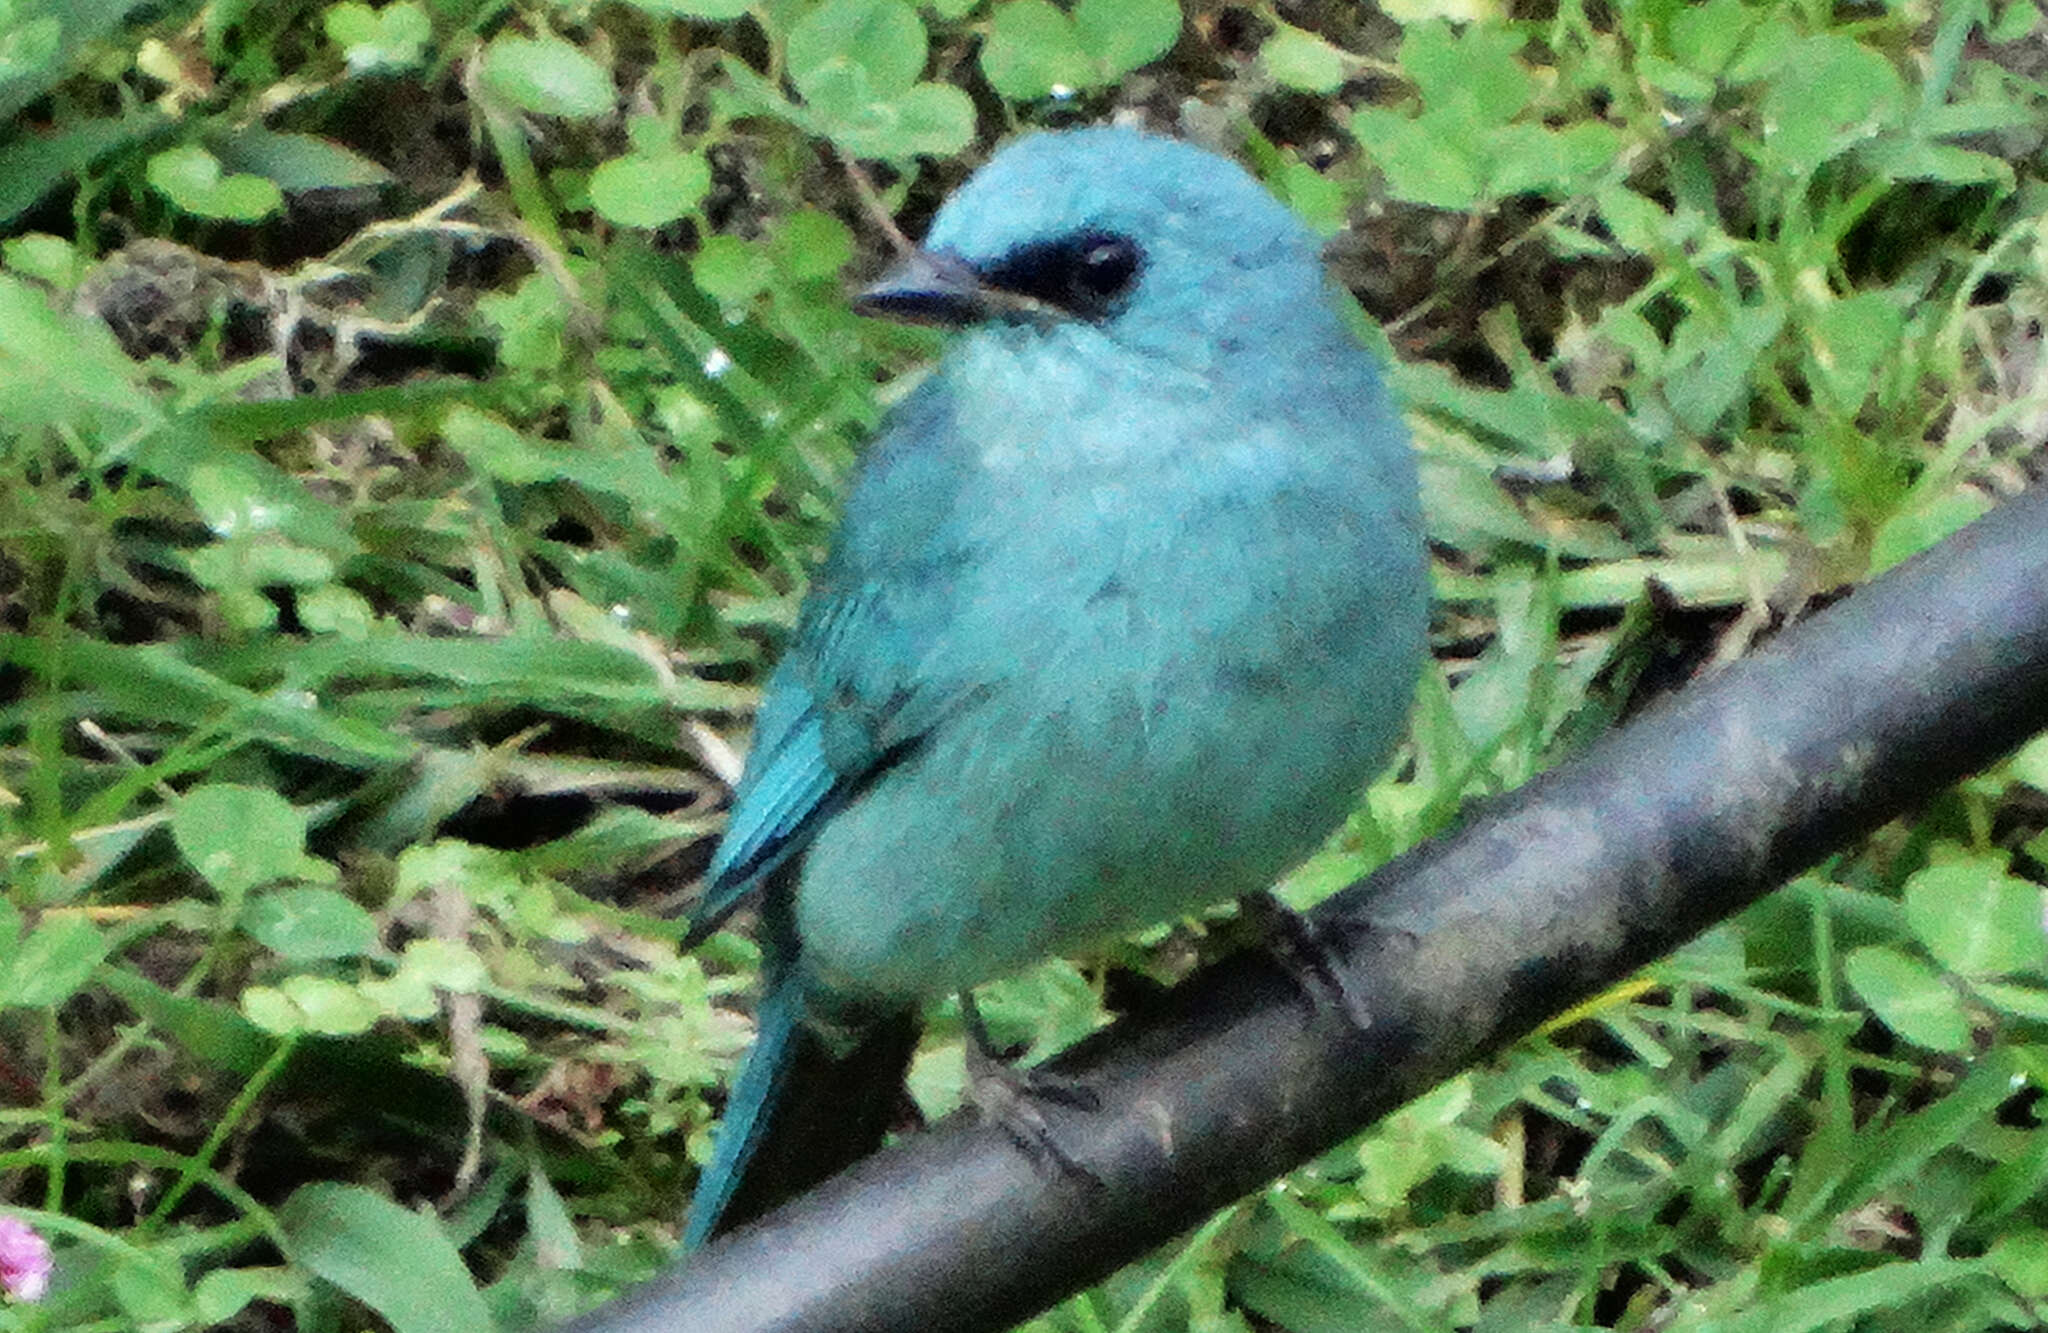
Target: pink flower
[(24, 1261)]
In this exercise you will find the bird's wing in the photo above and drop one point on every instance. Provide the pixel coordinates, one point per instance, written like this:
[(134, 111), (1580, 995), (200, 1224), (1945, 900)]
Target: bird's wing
[(845, 704), (857, 687), (787, 785)]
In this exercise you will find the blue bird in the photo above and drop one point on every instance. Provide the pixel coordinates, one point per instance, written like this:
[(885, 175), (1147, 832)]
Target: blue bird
[(1127, 605)]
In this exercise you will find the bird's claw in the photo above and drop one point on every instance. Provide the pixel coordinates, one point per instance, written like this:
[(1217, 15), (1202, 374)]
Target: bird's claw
[(1014, 1099), (1303, 948)]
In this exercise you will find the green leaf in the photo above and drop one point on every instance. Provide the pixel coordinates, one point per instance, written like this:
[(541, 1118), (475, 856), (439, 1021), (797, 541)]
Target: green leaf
[(29, 49), (1032, 50), (151, 680), (1916, 159), (2017, 20), (191, 178), (1908, 997), (258, 562), (933, 119), (730, 270), (856, 64), (1303, 60), (393, 37), (50, 259), (1421, 164), (1637, 223), (97, 393), (710, 11), (2029, 764), (295, 162), (1407, 12), (238, 837), (883, 38), (2027, 1002), (1668, 76), (1467, 508), (1418, 1140), (1713, 359), (1917, 527), (1704, 37), (333, 609), (549, 1224), (1124, 34), (1535, 159), (150, 1287), (809, 244), (36, 164), (1856, 1299), (1477, 72), (1976, 918), (232, 501), (305, 1004), (53, 963), (649, 190), (304, 924), (427, 967), (1324, 204), (1832, 93), (1851, 338), (211, 1031), (398, 1262), (546, 76), (225, 1292), (2020, 1258), (1768, 50), (1521, 159), (529, 320)]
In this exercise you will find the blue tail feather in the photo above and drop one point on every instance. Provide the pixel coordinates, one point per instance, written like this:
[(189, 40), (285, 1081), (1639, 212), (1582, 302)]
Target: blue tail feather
[(748, 1111), (799, 1111)]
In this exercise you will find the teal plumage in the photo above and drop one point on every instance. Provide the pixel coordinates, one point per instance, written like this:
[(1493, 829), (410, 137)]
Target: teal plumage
[(1127, 604)]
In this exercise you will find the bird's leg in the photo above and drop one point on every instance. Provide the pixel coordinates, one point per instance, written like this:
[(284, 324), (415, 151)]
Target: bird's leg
[(1014, 1098), (1305, 950)]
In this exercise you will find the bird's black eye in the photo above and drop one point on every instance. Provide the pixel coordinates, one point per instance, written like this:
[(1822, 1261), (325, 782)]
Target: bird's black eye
[(1084, 274), (1107, 266)]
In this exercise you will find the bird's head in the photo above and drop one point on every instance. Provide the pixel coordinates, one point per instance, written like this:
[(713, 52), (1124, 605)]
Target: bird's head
[(1146, 239)]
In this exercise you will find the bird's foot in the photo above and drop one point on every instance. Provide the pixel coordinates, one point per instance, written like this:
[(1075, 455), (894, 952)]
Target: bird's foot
[(1305, 950), (1015, 1099)]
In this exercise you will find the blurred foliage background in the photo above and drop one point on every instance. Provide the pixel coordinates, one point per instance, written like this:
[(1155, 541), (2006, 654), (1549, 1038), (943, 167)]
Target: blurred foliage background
[(415, 423)]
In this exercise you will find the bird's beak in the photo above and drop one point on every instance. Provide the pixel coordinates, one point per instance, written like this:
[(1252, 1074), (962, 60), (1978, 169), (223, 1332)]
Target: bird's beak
[(928, 288)]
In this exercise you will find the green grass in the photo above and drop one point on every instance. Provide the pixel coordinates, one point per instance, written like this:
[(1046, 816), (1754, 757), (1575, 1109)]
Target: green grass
[(415, 423)]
